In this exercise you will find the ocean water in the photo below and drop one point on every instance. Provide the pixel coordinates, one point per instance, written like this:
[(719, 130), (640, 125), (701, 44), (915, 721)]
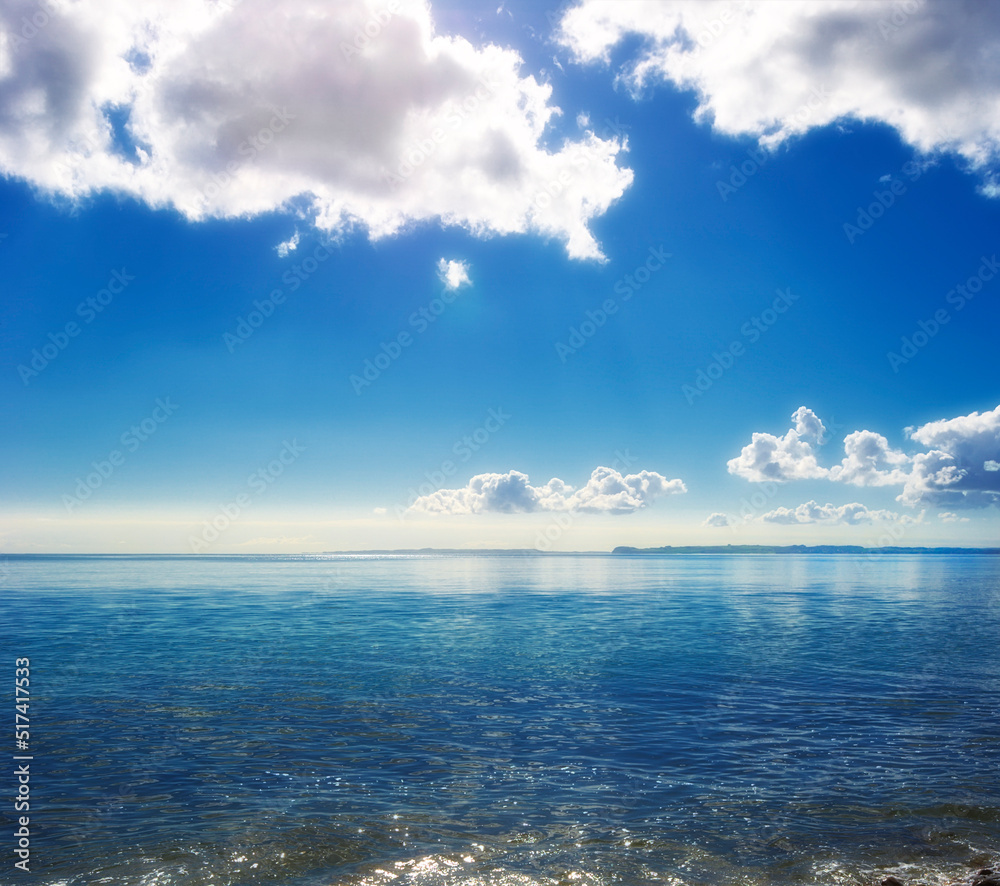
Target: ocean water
[(508, 720)]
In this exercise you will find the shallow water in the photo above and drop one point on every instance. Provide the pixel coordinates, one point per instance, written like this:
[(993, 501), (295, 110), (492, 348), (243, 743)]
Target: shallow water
[(508, 720)]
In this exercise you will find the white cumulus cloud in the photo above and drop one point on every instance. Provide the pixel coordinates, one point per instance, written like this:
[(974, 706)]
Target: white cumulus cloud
[(607, 491), (958, 470), (454, 273), (773, 70), (348, 113), (717, 520), (790, 457), (955, 472), (870, 461)]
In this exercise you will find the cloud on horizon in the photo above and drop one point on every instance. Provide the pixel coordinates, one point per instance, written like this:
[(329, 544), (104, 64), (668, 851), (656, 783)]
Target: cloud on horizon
[(775, 70), (852, 514), (606, 492), (717, 520), (353, 117), (957, 471)]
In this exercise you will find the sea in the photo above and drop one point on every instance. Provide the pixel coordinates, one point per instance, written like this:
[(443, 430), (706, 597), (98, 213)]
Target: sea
[(503, 719)]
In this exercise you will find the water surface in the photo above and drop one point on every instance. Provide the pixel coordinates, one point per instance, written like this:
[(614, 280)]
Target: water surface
[(512, 720)]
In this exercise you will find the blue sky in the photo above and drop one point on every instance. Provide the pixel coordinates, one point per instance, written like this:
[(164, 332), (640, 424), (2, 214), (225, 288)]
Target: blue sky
[(657, 273)]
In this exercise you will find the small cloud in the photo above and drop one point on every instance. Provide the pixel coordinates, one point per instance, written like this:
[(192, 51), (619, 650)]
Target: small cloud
[(951, 517), (718, 520), (885, 178), (583, 120), (454, 273), (290, 245), (991, 465), (379, 511), (990, 188)]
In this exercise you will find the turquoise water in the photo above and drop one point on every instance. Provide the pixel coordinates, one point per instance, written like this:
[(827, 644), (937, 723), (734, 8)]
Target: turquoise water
[(508, 720)]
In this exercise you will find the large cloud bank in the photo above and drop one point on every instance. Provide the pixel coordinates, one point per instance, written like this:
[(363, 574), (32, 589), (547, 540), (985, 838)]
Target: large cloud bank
[(355, 113), (773, 70), (606, 492), (959, 468)]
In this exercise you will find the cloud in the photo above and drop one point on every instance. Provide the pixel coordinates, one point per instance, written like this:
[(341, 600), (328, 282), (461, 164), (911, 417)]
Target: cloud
[(780, 459), (607, 492), (951, 517), (851, 514), (717, 520), (959, 470), (870, 461), (349, 114), (454, 273), (775, 70), (955, 473), (289, 245)]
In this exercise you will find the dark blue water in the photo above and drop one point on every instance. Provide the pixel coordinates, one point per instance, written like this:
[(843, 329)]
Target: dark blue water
[(508, 720)]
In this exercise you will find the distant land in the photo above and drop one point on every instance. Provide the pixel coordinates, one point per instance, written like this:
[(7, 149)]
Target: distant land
[(508, 551), (797, 549), (683, 549)]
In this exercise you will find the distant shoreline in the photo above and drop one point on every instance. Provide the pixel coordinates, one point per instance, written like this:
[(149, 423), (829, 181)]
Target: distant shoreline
[(621, 550), (689, 549), (797, 549)]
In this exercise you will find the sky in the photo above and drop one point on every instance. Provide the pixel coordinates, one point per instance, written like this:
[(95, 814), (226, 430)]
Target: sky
[(324, 275)]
